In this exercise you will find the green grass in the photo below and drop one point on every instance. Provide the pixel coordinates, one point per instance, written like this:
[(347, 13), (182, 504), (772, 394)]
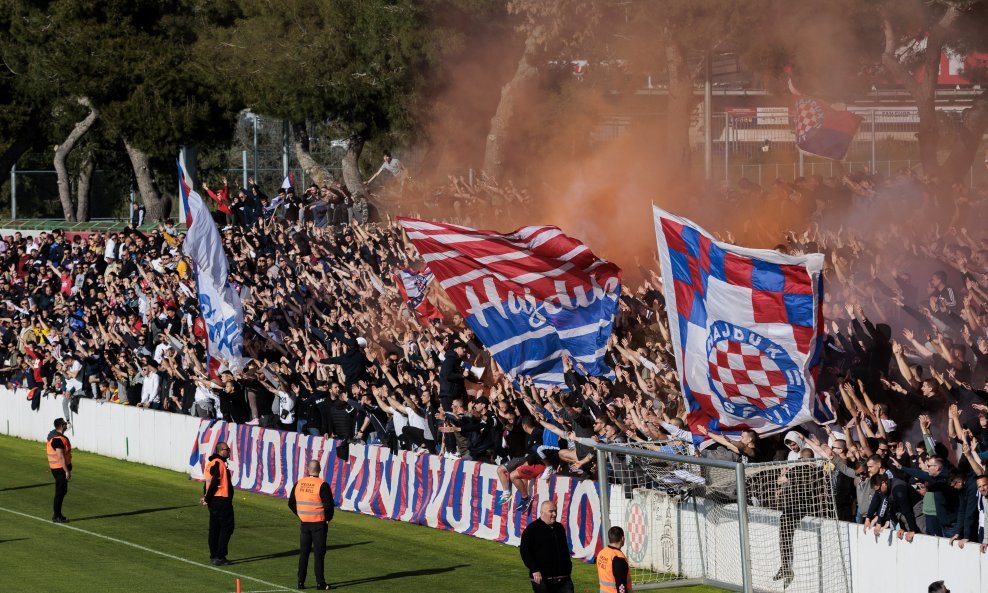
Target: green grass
[(157, 509)]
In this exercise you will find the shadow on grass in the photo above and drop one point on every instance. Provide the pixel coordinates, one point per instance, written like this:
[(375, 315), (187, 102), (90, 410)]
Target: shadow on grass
[(26, 487), (399, 575), (132, 513), (16, 539), (289, 553)]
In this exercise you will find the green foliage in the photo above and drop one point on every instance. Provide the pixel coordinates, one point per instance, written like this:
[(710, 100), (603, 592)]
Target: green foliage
[(354, 63)]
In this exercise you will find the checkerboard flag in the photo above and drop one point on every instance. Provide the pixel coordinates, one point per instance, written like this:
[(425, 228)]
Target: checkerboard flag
[(820, 129), (746, 325)]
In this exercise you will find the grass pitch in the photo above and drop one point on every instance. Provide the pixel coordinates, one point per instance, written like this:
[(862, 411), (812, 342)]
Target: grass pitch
[(136, 528)]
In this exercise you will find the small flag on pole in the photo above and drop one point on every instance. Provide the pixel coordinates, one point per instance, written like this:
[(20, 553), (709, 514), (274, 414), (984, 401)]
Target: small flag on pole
[(289, 181), (820, 129)]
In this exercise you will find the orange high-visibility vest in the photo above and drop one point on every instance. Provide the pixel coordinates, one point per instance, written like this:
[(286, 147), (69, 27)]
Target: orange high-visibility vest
[(224, 488), (308, 503), (605, 569), (53, 462)]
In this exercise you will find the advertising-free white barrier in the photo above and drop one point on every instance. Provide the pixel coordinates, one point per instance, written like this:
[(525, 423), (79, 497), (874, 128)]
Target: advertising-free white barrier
[(876, 564), (161, 439)]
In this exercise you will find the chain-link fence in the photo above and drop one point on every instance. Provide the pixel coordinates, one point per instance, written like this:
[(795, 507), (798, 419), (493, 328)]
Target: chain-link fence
[(758, 144)]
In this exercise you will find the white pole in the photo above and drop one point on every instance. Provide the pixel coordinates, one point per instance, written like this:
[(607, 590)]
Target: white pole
[(707, 133), (254, 119), (874, 161), (746, 583), (13, 192), (244, 184), (727, 148), (284, 149)]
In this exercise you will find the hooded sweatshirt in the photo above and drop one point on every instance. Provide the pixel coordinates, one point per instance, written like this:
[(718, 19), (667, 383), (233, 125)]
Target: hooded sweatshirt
[(794, 437)]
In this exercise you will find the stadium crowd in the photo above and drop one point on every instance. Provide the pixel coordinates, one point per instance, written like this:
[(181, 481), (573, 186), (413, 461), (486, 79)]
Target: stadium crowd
[(336, 352)]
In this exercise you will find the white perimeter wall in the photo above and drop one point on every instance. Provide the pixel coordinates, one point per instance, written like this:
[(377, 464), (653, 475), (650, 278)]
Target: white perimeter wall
[(882, 564), (161, 439)]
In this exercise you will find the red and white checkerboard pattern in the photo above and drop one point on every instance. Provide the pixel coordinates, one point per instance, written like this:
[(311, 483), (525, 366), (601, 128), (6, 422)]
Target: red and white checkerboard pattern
[(743, 375), (635, 530), (809, 116)]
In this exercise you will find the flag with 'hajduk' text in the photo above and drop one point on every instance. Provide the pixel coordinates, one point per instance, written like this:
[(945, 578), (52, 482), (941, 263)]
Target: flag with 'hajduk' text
[(746, 326), (531, 296)]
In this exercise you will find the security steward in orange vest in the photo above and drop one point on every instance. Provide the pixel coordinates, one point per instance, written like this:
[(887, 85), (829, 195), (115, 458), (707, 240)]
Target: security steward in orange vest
[(218, 496), (59, 451), (312, 501), (613, 572)]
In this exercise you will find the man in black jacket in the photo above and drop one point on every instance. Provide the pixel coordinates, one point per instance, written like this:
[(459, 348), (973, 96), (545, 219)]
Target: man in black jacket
[(546, 553), (218, 496), (482, 430), (452, 376), (893, 502), (353, 361)]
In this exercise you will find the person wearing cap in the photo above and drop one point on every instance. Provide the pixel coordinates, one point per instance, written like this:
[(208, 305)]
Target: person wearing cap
[(218, 496), (452, 375), (59, 451), (312, 502)]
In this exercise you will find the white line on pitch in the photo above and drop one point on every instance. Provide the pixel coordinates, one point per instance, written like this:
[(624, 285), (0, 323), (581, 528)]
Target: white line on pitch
[(146, 549)]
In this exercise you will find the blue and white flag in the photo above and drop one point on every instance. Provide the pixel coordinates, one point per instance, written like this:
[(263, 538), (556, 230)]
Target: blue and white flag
[(746, 325), (219, 304), (531, 296)]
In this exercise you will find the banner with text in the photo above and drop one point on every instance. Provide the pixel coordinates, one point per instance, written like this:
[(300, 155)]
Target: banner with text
[(449, 494)]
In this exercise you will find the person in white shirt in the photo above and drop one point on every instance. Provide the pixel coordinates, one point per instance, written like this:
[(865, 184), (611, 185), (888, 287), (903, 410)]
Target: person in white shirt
[(162, 347), (283, 407), (207, 404), (109, 250), (150, 398)]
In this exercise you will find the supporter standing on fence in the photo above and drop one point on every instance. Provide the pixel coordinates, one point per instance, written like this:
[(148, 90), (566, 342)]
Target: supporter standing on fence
[(312, 502), (59, 451), (545, 551), (218, 496)]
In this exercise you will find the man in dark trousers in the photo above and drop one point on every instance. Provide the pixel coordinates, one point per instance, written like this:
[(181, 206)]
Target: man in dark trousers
[(59, 451), (452, 376), (218, 496), (312, 502), (546, 553)]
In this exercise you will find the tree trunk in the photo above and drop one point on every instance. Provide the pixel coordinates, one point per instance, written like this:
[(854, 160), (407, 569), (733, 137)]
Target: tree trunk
[(319, 174), (353, 180), (923, 92), (86, 170), (679, 110), (967, 135), (156, 206), (62, 153), (24, 140), (497, 137), (351, 166)]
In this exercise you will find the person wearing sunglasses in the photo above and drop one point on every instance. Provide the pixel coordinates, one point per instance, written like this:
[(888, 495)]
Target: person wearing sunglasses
[(218, 496)]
